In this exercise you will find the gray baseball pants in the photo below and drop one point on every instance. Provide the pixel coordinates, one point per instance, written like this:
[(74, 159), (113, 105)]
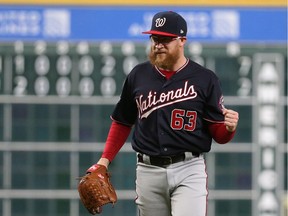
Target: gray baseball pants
[(179, 189)]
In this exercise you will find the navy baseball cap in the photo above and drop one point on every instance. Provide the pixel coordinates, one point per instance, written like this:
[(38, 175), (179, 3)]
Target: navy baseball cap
[(168, 23)]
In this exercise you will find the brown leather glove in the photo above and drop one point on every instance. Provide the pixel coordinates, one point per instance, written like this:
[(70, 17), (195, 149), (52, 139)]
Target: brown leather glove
[(96, 190)]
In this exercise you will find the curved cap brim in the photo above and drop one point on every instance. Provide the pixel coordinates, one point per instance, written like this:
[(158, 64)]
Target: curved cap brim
[(160, 33)]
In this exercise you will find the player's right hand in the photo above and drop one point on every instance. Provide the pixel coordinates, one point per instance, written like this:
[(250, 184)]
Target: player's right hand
[(104, 161)]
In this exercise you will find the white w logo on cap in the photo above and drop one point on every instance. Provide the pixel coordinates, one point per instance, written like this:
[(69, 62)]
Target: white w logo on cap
[(160, 22)]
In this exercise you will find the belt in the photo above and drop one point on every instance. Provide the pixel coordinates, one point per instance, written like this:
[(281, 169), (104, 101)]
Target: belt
[(163, 161)]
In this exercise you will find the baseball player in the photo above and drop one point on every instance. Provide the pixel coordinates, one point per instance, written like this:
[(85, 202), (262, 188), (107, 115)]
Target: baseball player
[(175, 107)]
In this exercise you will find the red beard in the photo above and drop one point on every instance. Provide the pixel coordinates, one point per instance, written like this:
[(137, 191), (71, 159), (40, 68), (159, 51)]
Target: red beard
[(163, 59)]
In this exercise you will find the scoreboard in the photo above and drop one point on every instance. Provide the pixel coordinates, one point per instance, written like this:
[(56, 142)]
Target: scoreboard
[(58, 89), (63, 69)]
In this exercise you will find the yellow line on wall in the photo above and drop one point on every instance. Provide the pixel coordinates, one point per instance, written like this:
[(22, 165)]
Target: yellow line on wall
[(248, 3)]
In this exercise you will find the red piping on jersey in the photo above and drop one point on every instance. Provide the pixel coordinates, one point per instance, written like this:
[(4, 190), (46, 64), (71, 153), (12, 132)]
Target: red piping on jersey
[(206, 210), (214, 122)]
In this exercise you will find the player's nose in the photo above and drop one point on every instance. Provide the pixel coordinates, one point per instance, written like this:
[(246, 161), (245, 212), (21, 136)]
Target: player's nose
[(159, 45)]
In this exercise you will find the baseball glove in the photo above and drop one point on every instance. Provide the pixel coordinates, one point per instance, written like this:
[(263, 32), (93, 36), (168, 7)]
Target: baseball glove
[(96, 190)]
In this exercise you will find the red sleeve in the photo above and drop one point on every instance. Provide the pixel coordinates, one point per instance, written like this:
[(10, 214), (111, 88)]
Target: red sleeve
[(219, 133), (116, 138)]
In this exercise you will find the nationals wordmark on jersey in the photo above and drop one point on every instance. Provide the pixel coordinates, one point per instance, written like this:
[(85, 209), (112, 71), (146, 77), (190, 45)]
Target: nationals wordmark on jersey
[(153, 101)]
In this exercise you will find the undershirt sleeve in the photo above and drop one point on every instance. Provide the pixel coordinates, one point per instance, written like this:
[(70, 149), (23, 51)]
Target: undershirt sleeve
[(219, 133), (116, 138)]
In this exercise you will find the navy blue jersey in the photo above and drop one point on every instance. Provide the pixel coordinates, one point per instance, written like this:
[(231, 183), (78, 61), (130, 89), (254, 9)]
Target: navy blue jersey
[(170, 116)]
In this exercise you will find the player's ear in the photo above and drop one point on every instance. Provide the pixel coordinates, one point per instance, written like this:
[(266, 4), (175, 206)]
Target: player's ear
[(183, 41)]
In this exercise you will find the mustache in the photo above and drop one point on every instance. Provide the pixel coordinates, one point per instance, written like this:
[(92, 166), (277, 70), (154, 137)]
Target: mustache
[(159, 52), (155, 52)]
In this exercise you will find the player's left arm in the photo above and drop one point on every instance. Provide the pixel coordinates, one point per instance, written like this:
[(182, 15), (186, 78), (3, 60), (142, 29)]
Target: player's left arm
[(222, 122), (224, 132)]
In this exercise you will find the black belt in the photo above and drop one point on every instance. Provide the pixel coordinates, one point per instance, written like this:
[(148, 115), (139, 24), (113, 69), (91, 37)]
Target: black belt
[(164, 161)]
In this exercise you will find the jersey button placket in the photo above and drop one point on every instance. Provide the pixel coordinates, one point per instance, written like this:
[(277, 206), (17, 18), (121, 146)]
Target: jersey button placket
[(161, 132), (159, 120)]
